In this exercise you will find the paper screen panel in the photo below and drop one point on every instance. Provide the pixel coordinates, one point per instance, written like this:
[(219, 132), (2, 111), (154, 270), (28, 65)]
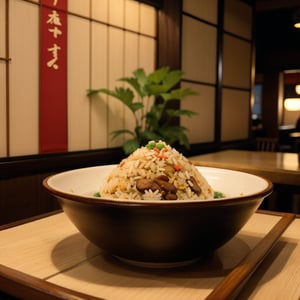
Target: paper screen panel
[(116, 71), (146, 58), (78, 82), (3, 136), (116, 13), (147, 20), (201, 127), (99, 71), (236, 62), (199, 50), (99, 9), (2, 28), (79, 7), (238, 18), (132, 15), (147, 53), (131, 54), (24, 78), (96, 59), (235, 115), (3, 133), (204, 9)]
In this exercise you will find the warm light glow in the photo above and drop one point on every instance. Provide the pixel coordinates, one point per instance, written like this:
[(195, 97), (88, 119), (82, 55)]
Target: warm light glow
[(297, 89), (292, 104), (297, 25)]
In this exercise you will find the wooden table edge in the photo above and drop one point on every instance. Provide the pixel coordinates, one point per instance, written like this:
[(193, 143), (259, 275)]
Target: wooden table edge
[(27, 287), (231, 285)]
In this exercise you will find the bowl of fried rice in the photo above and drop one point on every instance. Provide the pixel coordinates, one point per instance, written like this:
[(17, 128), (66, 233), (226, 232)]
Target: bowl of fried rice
[(155, 208)]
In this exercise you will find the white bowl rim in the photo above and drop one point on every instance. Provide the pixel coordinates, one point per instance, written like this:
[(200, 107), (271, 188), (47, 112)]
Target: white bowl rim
[(47, 183)]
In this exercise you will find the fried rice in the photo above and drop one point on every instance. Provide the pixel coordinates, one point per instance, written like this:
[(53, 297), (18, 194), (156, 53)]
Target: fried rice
[(156, 172)]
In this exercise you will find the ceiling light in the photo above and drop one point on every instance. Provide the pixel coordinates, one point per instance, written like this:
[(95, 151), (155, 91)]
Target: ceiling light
[(292, 104), (296, 18), (297, 89)]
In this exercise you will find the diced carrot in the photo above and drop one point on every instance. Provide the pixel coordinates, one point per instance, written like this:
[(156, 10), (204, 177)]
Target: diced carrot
[(162, 156), (177, 167)]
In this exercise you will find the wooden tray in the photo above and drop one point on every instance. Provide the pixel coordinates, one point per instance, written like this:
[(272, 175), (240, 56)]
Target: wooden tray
[(20, 284)]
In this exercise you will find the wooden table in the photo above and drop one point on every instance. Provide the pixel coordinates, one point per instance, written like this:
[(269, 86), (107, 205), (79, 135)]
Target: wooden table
[(279, 167), (295, 137), (49, 259)]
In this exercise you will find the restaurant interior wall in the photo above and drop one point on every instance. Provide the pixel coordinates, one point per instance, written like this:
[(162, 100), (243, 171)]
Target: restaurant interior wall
[(277, 52), (97, 30), (290, 81), (216, 55)]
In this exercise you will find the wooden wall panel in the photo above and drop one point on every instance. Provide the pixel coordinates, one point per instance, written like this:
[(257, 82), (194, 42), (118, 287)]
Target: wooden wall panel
[(3, 119), (147, 54), (99, 9), (3, 81), (132, 15), (237, 62), (147, 20), (24, 78), (96, 59), (131, 63), (204, 9), (116, 12), (235, 114), (99, 71), (14, 204), (78, 82), (2, 28), (238, 18), (116, 70), (79, 7), (199, 50), (201, 127)]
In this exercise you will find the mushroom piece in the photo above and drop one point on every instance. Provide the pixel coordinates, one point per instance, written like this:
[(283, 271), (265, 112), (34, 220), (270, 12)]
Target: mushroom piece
[(146, 184), (194, 185)]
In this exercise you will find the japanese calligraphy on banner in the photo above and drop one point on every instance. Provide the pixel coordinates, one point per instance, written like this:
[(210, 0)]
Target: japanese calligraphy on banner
[(53, 76)]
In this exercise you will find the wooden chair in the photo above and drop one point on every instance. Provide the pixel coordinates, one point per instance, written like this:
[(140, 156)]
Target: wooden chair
[(266, 144)]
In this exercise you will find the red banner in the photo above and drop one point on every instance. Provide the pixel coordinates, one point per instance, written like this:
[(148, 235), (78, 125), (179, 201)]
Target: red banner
[(53, 77)]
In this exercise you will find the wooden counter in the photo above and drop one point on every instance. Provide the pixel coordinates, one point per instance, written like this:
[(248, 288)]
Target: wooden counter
[(279, 167)]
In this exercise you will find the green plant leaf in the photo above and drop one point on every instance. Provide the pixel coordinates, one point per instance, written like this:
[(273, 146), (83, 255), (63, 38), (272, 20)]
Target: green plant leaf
[(91, 92), (158, 75), (178, 94), (131, 145), (154, 115), (124, 94), (148, 135), (140, 76), (133, 82), (116, 133), (174, 134), (173, 113), (156, 89), (153, 122), (172, 78)]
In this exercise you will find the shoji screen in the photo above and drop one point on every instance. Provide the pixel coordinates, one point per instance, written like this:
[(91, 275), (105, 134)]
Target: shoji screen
[(23, 101), (106, 40), (237, 62), (3, 81), (199, 61), (217, 60)]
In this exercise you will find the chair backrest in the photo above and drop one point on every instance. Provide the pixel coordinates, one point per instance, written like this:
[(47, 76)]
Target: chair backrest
[(298, 124), (266, 144)]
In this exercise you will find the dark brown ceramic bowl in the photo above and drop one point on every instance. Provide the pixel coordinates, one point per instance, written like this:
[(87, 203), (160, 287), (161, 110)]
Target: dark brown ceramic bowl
[(158, 233)]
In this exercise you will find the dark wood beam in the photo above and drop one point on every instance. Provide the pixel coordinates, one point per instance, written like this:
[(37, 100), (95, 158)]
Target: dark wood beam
[(269, 5)]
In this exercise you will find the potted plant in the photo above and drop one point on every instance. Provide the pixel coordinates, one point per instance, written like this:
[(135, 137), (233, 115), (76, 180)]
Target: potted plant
[(153, 120)]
